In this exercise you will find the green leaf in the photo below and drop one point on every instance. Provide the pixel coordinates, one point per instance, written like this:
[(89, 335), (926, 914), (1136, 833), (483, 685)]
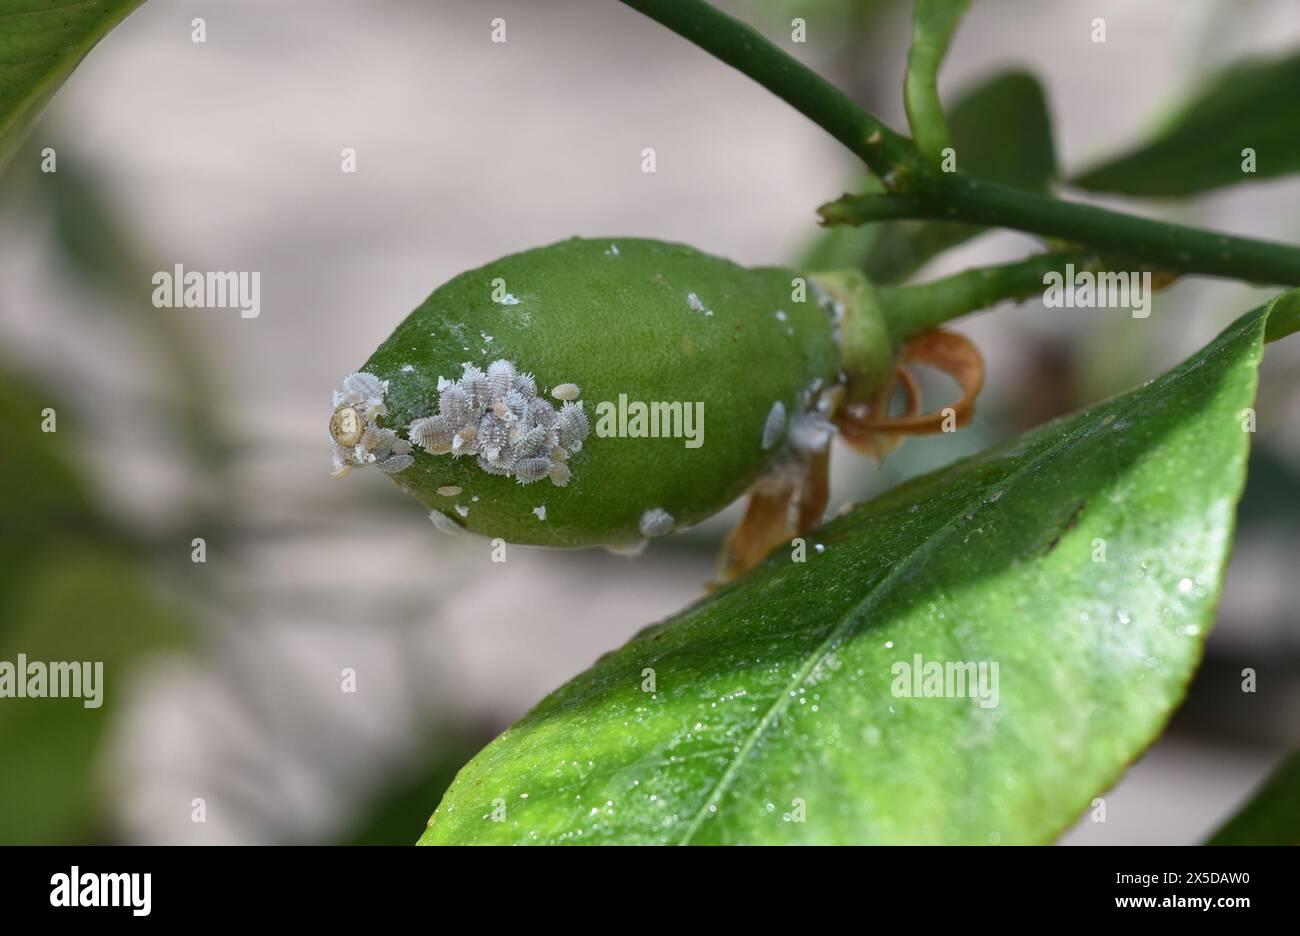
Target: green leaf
[(41, 42), (77, 605), (1085, 558), (1284, 316), (45, 493), (69, 592), (388, 817), (1253, 105), (933, 25), (1272, 816), (1002, 132)]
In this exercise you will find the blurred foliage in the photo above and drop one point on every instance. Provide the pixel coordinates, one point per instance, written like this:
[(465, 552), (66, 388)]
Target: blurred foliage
[(1272, 498), (397, 812), (69, 591), (75, 586), (76, 605), (1272, 815), (45, 496), (1253, 104), (1002, 131)]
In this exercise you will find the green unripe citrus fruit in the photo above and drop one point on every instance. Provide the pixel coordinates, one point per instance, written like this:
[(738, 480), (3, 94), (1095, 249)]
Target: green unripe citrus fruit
[(595, 392)]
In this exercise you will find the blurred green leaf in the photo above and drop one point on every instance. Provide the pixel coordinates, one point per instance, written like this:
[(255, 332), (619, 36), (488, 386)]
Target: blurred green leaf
[(69, 606), (45, 495), (69, 593), (1272, 498), (395, 812), (41, 42), (1253, 104), (1002, 132), (1272, 815), (1084, 558)]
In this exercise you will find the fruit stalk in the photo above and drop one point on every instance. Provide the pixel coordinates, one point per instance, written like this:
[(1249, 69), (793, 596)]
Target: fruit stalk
[(911, 310)]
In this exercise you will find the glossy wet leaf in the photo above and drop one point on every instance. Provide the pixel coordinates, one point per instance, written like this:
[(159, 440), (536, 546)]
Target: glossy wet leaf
[(1272, 815), (1002, 132), (1084, 558), (41, 42), (1252, 105)]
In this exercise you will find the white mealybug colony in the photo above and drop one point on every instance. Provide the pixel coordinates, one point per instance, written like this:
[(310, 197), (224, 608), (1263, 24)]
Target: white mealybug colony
[(498, 418), (355, 439)]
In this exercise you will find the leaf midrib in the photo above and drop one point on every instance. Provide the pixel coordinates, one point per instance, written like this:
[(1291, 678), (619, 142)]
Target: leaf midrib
[(844, 629)]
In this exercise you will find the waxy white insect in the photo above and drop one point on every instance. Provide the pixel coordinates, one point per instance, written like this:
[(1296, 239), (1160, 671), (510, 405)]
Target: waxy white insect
[(774, 426), (656, 522), (559, 473), (696, 304), (444, 523)]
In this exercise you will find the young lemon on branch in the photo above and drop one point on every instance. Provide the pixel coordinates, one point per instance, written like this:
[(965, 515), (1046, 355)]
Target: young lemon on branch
[(603, 392)]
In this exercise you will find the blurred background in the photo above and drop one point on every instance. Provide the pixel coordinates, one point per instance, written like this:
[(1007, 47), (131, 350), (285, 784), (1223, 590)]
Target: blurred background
[(225, 716)]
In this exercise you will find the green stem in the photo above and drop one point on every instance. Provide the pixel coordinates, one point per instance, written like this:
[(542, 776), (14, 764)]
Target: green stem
[(744, 49), (956, 197), (933, 23), (1140, 240), (911, 310), (1170, 246), (877, 206)]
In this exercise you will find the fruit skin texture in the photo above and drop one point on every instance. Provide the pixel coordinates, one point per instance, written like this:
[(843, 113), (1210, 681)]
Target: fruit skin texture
[(614, 316)]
